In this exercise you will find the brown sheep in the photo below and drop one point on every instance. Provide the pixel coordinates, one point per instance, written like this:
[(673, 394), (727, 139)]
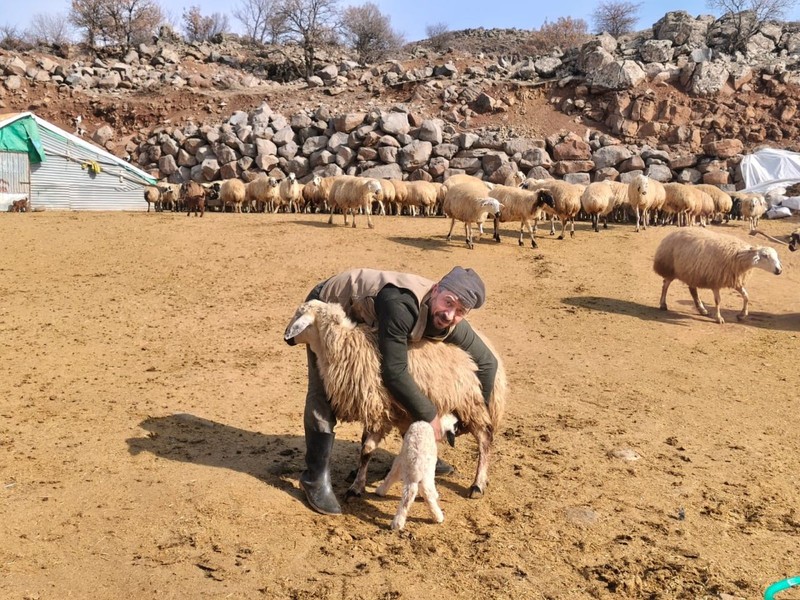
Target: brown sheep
[(195, 197)]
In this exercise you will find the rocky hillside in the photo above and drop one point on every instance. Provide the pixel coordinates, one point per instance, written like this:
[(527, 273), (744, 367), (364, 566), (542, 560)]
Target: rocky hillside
[(671, 101)]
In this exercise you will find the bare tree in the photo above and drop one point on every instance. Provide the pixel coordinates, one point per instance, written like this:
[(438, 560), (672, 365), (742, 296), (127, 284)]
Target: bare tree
[(49, 29), (615, 17), (199, 27), (369, 32), (564, 33), (11, 38), (261, 20), (747, 17), (438, 35), (312, 24), (122, 22)]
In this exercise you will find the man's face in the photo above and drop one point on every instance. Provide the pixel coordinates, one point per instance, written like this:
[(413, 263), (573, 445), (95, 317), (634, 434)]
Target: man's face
[(446, 308)]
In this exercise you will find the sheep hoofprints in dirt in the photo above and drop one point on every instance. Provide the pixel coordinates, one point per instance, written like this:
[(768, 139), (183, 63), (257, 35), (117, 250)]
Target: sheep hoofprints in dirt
[(415, 466), (349, 363), (704, 259)]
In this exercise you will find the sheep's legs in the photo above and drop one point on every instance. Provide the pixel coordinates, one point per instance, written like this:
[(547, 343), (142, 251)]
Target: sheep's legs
[(367, 210), (720, 320), (478, 487), (531, 230), (406, 501), (563, 228), (452, 226), (468, 234), (369, 442), (637, 219), (664, 288), (745, 300), (699, 303), (428, 491)]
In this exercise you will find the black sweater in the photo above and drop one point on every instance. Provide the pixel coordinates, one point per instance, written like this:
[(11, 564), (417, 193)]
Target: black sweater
[(397, 312)]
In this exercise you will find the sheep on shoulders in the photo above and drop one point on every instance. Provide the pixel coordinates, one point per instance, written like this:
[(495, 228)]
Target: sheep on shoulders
[(704, 259)]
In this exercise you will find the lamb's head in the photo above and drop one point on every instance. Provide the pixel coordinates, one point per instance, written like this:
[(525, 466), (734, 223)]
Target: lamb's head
[(766, 258), (492, 205), (292, 178), (274, 182), (312, 317), (641, 183), (375, 189), (449, 424)]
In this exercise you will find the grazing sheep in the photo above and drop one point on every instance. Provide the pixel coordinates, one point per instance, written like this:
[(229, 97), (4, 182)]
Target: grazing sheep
[(415, 466), (598, 200), (521, 205), (195, 197), (704, 259), (350, 193), (350, 366), (233, 192), (723, 203), (152, 195), (468, 203), (794, 240), (645, 195), (290, 193)]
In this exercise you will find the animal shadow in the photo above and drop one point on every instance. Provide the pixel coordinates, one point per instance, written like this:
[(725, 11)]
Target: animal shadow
[(277, 460), (423, 243), (627, 308)]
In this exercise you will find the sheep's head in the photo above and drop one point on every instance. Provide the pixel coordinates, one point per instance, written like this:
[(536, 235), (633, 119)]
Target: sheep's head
[(794, 240), (449, 424), (766, 258), (374, 187), (309, 318), (545, 198), (292, 178), (493, 205), (273, 182)]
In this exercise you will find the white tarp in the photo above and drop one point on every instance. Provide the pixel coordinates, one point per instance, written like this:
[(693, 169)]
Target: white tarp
[(770, 168)]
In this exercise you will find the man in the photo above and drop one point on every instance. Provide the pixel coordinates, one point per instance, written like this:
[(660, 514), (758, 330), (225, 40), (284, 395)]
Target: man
[(403, 308)]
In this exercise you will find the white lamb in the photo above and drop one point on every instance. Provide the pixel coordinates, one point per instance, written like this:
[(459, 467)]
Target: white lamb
[(644, 196), (415, 466), (704, 259)]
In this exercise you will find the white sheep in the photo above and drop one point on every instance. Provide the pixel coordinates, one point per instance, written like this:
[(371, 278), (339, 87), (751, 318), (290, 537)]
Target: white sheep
[(262, 194), (753, 207), (233, 192), (645, 195), (566, 201), (290, 192), (525, 206), (419, 194), (388, 197), (682, 201), (349, 193), (723, 203), (598, 200), (468, 203), (349, 364), (704, 259), (152, 195), (170, 195), (315, 193), (415, 466)]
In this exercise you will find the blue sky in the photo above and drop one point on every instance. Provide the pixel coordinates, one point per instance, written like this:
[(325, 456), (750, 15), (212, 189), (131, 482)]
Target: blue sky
[(410, 17)]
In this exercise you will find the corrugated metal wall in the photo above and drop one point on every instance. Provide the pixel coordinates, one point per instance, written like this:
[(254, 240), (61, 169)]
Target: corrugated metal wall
[(14, 177), (60, 182)]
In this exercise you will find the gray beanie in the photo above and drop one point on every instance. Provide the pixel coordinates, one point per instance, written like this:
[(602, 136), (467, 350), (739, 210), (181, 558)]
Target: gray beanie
[(466, 285)]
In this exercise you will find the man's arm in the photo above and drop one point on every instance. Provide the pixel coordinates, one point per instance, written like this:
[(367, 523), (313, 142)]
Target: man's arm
[(465, 337), (397, 312)]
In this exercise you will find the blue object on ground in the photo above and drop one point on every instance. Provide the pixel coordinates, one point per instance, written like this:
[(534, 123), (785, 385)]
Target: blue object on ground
[(780, 586)]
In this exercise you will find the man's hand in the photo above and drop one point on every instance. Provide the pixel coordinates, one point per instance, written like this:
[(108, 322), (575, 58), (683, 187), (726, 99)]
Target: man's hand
[(437, 428)]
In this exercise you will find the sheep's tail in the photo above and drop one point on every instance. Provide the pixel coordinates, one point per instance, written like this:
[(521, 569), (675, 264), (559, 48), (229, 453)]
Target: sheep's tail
[(497, 401)]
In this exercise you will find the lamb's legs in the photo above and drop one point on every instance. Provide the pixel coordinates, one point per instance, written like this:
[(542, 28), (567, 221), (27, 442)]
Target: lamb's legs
[(392, 477), (637, 219), (406, 501), (428, 491), (699, 303), (478, 487), (720, 320), (664, 288), (745, 300)]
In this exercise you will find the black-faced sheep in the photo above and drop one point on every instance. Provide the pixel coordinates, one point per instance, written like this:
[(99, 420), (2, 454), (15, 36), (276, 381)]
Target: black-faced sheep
[(704, 259), (349, 364), (566, 201), (415, 466), (525, 206)]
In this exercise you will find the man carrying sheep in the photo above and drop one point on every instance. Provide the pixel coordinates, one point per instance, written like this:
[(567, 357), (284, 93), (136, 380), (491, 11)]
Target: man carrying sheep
[(403, 308)]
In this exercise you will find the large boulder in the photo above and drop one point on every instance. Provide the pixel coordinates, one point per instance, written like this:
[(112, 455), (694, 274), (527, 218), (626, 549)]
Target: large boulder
[(709, 78), (619, 75), (679, 27)]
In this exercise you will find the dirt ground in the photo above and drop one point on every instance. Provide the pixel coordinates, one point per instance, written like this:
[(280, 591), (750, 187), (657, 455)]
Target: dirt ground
[(151, 419)]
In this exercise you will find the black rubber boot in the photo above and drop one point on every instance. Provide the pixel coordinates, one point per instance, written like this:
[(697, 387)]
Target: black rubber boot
[(443, 468), (316, 479)]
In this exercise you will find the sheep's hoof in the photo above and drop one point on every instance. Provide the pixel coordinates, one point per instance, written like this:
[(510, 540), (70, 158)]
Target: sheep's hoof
[(561, 237), (497, 239), (474, 492), (352, 495), (572, 234), (470, 245), (534, 244), (552, 233), (663, 307), (741, 316), (447, 238)]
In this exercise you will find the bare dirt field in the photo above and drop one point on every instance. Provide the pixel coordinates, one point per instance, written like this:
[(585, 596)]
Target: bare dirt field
[(151, 419)]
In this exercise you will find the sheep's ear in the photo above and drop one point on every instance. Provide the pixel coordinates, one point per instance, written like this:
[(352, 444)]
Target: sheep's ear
[(451, 438), (298, 326)]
